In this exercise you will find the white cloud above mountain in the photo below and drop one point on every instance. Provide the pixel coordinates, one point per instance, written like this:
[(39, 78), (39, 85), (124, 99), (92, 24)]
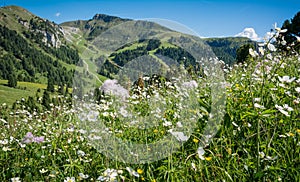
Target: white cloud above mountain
[(57, 14), (249, 33)]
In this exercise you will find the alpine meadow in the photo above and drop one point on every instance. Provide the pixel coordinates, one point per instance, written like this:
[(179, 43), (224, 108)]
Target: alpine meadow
[(69, 94)]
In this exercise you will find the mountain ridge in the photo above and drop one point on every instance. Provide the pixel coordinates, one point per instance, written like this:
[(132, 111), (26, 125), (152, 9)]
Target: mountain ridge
[(75, 36)]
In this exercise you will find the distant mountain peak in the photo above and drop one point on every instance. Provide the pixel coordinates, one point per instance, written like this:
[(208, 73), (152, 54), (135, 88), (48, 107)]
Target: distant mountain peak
[(107, 18)]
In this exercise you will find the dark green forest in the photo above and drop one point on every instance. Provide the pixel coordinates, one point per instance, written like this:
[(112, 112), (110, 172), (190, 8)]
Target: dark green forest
[(26, 62)]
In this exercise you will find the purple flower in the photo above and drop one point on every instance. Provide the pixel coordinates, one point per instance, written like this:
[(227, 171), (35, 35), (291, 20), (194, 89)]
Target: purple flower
[(29, 138), (39, 139), (29, 135)]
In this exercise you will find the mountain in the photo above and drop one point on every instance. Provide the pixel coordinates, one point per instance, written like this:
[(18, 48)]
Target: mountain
[(95, 26), (224, 48), (34, 49)]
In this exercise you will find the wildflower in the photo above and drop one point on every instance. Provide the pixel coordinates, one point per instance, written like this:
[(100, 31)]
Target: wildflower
[(140, 171), (167, 123), (42, 171), (287, 107), (108, 175), (29, 138), (208, 158), (279, 30), (281, 109), (286, 79), (16, 179), (261, 154), (22, 145), (253, 53), (290, 134), (256, 105), (229, 150), (155, 131), (4, 142), (38, 139), (261, 51), (257, 99), (234, 124), (297, 90), (195, 140), (271, 47), (112, 87), (201, 152), (92, 115), (194, 166), (190, 85), (81, 153), (83, 176), (179, 135), (3, 121), (132, 172), (179, 124), (298, 130), (69, 179), (5, 149)]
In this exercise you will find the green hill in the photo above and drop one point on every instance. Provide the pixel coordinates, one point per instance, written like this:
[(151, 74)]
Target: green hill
[(34, 49)]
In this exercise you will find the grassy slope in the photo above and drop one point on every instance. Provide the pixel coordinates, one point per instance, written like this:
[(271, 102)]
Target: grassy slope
[(10, 95)]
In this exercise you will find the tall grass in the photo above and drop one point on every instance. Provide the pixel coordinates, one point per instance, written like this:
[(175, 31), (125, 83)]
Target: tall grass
[(259, 139)]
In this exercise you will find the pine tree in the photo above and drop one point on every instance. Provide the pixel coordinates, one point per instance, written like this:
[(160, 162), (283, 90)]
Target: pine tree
[(46, 99), (50, 86), (242, 54), (12, 80)]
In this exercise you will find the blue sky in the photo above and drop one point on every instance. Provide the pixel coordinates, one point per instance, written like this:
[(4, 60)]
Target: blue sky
[(208, 18)]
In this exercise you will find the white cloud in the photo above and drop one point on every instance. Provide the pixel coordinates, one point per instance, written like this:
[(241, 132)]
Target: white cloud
[(57, 14), (249, 33)]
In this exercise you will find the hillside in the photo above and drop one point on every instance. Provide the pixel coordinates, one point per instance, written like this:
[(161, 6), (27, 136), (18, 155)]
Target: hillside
[(224, 48), (33, 49)]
